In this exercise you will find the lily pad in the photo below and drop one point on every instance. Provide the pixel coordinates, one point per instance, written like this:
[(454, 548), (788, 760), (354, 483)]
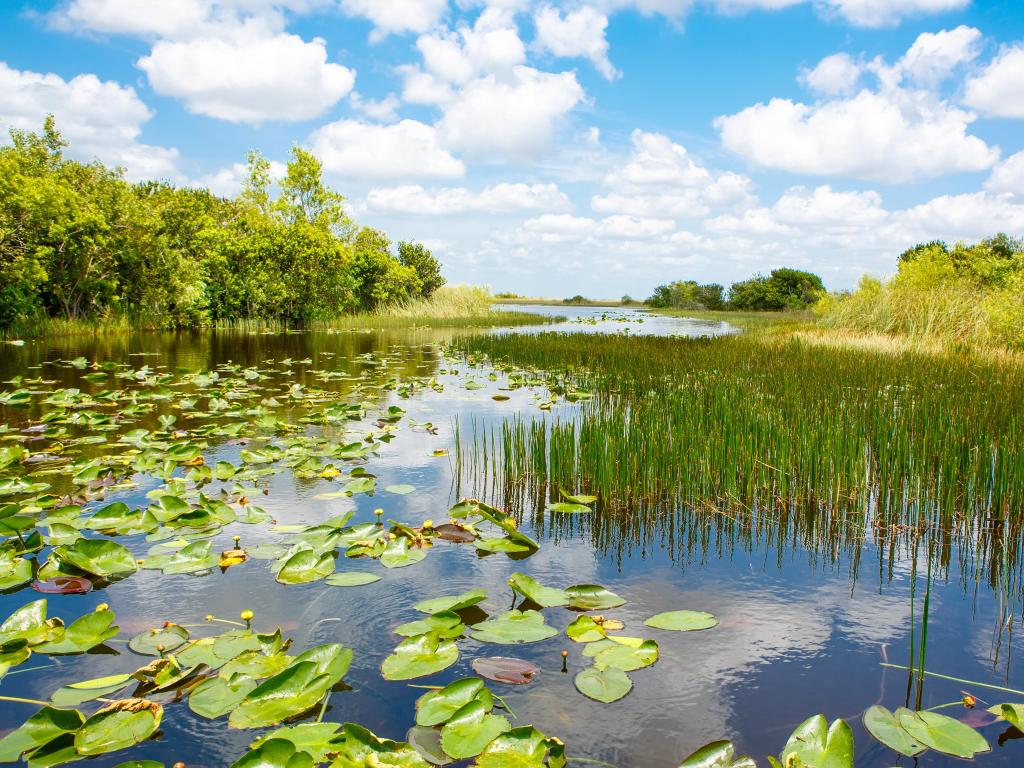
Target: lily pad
[(361, 748), (437, 707), (216, 696), (398, 554), (815, 742), (883, 725), (1011, 713), (942, 733), (611, 653), (569, 508), (351, 579), (401, 489), (122, 724), (99, 557), (82, 634), (531, 589), (275, 753), (503, 669), (682, 621), (604, 684), (717, 754), (523, 747), (592, 597), (471, 729), (452, 602), (513, 627), (419, 656), (63, 585), (169, 638), (446, 625), (585, 630), (286, 694), (87, 690), (43, 727), (305, 566)]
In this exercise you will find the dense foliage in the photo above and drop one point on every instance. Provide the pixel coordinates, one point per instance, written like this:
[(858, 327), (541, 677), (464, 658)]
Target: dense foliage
[(965, 293), (79, 242), (782, 289)]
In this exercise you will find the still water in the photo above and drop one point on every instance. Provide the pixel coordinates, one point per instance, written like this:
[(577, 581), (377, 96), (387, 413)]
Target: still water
[(803, 627)]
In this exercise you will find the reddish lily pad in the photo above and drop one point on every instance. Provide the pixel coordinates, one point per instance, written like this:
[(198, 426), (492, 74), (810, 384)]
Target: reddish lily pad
[(503, 669), (63, 585), (455, 533)]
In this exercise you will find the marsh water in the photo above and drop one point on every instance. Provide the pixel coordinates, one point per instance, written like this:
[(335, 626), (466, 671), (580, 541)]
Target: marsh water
[(804, 622)]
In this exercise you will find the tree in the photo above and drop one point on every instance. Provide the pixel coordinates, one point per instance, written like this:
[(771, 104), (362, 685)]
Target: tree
[(784, 289), (379, 278), (687, 294), (305, 197), (423, 263)]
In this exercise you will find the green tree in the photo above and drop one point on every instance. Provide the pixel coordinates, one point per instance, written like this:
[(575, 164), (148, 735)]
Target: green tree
[(422, 262)]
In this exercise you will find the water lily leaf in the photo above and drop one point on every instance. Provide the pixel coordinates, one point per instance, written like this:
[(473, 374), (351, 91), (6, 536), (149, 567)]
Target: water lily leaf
[(625, 657), (122, 724), (604, 684), (63, 585), (14, 573), (445, 625), (78, 693), (717, 754), (216, 696), (569, 508), (360, 485), (452, 602), (585, 630), (82, 634), (140, 764), (401, 489), (455, 533), (513, 627), (427, 741), (471, 729), (531, 589), (592, 597), (193, 558), (169, 637), (503, 669), (682, 621), (505, 544), (437, 707), (331, 659), (942, 733), (816, 743), (419, 656), (1011, 713), (883, 725), (29, 623), (43, 727), (275, 753), (579, 499), (352, 578), (99, 557), (306, 566), (361, 748), (397, 554), (286, 694), (317, 739), (256, 664), (523, 747)]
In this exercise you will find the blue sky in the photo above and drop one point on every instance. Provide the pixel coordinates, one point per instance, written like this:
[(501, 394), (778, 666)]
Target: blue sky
[(551, 148)]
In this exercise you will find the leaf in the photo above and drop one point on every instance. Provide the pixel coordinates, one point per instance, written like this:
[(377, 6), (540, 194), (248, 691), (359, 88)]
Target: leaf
[(122, 724), (100, 557), (592, 597), (216, 696), (471, 729), (624, 657), (942, 733), (437, 707), (513, 627), (569, 508), (682, 621), (317, 739), (427, 741), (400, 489), (818, 744), (717, 754), (41, 728), (603, 684), (580, 499), (306, 566), (63, 585), (29, 623), (87, 690), (523, 747), (452, 602), (397, 554), (148, 643), (531, 589), (274, 753), (883, 725), (419, 656), (445, 625), (585, 630), (503, 669), (1011, 713), (351, 579), (14, 574), (84, 633), (361, 748), (286, 694)]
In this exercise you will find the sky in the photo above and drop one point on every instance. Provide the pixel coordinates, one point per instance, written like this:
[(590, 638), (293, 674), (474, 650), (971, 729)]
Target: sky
[(551, 148)]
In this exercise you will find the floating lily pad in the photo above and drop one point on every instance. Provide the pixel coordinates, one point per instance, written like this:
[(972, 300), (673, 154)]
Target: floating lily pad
[(84, 633), (427, 741), (119, 725), (360, 748), (585, 630), (286, 694), (148, 643), (275, 753), (531, 589), (63, 585), (942, 733), (216, 696), (503, 669), (569, 508), (419, 656), (306, 566), (1011, 713), (604, 684), (452, 602), (884, 726), (815, 742), (99, 557), (471, 729), (523, 747), (513, 627), (437, 707), (717, 754), (454, 533), (401, 489), (682, 621), (77, 693), (445, 625), (351, 579), (398, 554), (627, 657), (43, 727), (592, 597)]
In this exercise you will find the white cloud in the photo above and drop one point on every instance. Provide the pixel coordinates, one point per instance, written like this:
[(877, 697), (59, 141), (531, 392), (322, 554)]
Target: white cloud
[(133, 17), (500, 198), (834, 75), (384, 110), (999, 89), (100, 118), (405, 150), (579, 33), (633, 227), (397, 16), (1008, 176), (560, 227), (933, 57), (969, 216), (883, 13), (564, 228), (514, 117), (893, 136), (227, 182), (248, 72), (656, 159), (823, 206)]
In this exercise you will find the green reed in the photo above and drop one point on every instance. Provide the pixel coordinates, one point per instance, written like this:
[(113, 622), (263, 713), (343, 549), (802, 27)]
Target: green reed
[(843, 443)]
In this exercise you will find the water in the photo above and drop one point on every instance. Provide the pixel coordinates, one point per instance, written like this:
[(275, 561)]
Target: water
[(803, 627), (635, 322)]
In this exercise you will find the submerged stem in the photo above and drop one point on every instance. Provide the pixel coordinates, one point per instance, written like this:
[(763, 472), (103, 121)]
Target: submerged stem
[(959, 680)]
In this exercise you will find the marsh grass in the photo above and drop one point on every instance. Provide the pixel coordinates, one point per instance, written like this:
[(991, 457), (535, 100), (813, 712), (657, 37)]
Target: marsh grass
[(766, 434)]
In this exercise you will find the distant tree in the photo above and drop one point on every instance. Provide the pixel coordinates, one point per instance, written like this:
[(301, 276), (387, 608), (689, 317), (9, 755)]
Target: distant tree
[(423, 263), (577, 299), (380, 279), (783, 289), (688, 294), (626, 299)]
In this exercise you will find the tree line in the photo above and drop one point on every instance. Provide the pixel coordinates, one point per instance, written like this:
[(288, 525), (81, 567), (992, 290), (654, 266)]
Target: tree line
[(782, 289), (80, 242)]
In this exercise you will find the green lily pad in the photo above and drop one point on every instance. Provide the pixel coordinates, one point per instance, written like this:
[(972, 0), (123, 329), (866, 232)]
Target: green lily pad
[(351, 579), (531, 589), (605, 684), (816, 743), (398, 554), (317, 739), (612, 653), (437, 707), (942, 733), (361, 748), (193, 558), (452, 602), (148, 643), (99, 557), (523, 747), (82, 634), (419, 656), (592, 597), (1011, 713), (275, 753), (29, 623), (883, 725), (446, 625), (471, 729), (513, 627), (87, 690), (585, 630), (119, 725), (43, 727), (717, 754), (401, 489), (306, 566), (291, 692), (682, 621), (216, 696), (578, 499), (14, 572), (569, 508), (427, 741)]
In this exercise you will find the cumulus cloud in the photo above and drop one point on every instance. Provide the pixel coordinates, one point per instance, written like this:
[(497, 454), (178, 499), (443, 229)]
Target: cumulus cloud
[(834, 75), (896, 133), (1008, 176), (384, 110), (578, 33), (999, 89), (397, 16), (404, 150), (248, 73), (884, 13), (500, 198), (227, 182), (100, 118), (132, 17)]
